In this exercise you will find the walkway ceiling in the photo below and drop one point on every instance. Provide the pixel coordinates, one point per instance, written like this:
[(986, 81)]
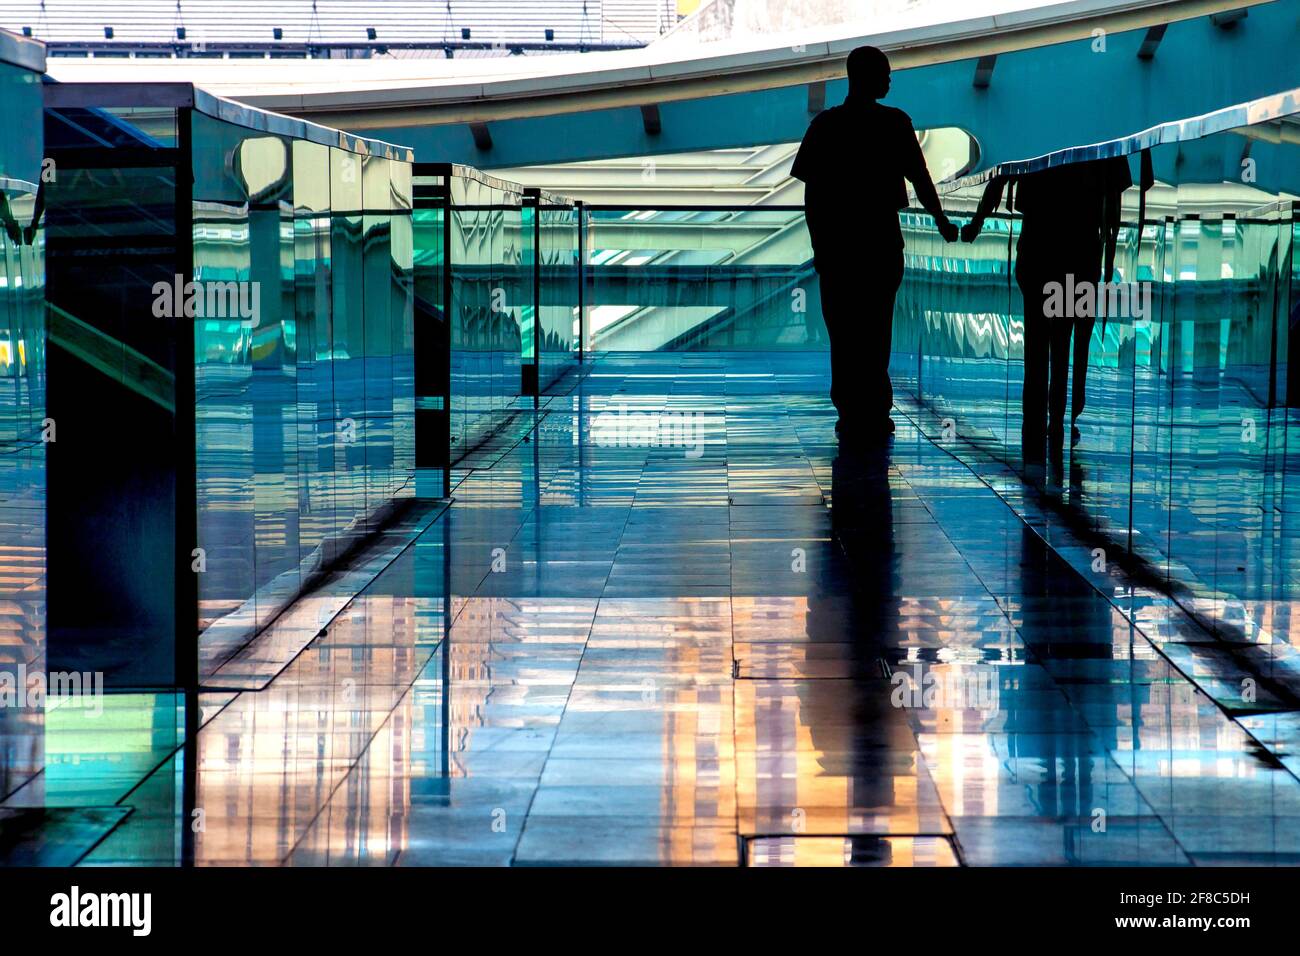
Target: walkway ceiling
[(982, 74)]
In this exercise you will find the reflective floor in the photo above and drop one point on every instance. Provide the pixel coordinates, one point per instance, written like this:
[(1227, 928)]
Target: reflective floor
[(669, 621)]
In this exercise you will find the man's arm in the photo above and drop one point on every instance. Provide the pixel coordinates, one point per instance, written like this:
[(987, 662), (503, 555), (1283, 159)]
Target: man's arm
[(919, 175), (807, 159), (929, 198)]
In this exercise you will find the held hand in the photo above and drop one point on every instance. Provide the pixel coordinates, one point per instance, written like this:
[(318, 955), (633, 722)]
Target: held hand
[(970, 230), (947, 229)]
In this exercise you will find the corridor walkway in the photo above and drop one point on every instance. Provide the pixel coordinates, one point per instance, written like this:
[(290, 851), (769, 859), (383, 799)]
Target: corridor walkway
[(720, 641)]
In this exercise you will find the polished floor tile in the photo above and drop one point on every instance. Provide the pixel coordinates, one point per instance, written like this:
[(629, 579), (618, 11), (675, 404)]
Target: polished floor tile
[(764, 650), (856, 851)]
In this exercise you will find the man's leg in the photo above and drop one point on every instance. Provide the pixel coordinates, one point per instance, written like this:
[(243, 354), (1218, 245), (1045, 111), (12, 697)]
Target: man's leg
[(880, 326), (1061, 329), (837, 314), (1033, 400), (1082, 346)]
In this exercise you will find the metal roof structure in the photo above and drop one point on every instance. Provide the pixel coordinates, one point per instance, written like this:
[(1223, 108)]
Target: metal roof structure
[(146, 24)]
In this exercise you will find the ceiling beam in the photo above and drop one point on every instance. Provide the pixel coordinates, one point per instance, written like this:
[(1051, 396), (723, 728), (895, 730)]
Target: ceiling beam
[(1228, 18), (816, 97), (482, 136), (1151, 41), (651, 120), (984, 71)]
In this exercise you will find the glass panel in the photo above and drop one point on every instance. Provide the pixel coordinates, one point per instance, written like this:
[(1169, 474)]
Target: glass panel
[(1194, 348), (377, 334), (1245, 529), (511, 299), (1152, 383), (701, 280), (401, 315), (349, 339), (953, 329), (268, 179), (223, 386), (313, 316), (558, 294), (529, 255), (22, 421), (489, 292), (1099, 418), (299, 399), (111, 221)]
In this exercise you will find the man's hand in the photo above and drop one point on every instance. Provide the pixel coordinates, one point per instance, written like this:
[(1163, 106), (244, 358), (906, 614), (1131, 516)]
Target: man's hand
[(971, 230), (947, 229)]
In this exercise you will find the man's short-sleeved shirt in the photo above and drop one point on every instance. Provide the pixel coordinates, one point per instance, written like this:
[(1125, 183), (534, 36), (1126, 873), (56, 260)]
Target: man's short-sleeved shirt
[(853, 161)]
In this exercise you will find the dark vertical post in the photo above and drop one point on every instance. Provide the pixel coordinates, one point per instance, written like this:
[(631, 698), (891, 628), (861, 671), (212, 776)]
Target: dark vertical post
[(582, 279), (530, 372), (186, 491), (537, 301), (445, 521), (449, 312), (433, 317)]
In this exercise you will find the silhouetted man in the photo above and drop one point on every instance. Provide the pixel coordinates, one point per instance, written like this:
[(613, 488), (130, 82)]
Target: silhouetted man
[(1071, 217), (853, 161)]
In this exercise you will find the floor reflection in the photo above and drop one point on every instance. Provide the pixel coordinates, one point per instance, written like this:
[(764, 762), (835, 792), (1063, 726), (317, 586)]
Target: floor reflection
[(779, 652)]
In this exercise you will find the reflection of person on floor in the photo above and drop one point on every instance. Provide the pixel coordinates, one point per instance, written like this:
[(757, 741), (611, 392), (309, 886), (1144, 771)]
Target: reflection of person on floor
[(853, 161), (855, 732), (1066, 625), (1070, 222)]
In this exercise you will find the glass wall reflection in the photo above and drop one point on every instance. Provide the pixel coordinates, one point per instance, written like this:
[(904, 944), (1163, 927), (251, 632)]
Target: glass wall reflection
[(295, 282), (491, 296), (1164, 402), (498, 294), (558, 294), (23, 425), (320, 381), (311, 400), (700, 278), (1114, 327)]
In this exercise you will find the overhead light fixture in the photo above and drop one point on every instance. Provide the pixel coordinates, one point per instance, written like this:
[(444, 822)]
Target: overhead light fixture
[(370, 33), (108, 33), (277, 33), (180, 33), (464, 33), (550, 34), (27, 31)]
